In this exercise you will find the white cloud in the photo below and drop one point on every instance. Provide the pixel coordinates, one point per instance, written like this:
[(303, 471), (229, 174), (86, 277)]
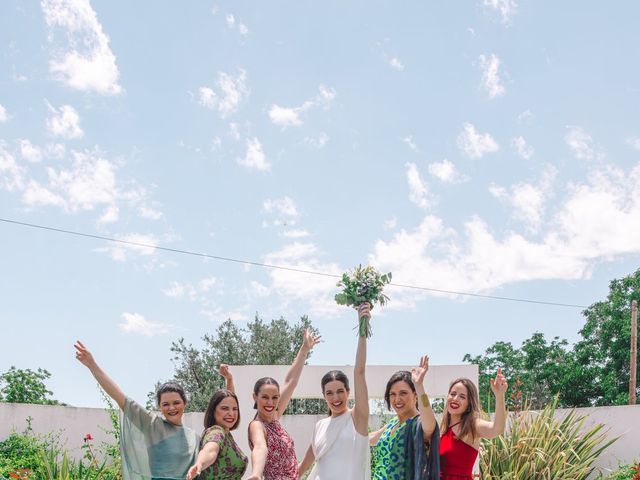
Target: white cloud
[(30, 152), (408, 140), (11, 174), (286, 213), (4, 116), (314, 291), (87, 63), (391, 223), (231, 20), (529, 199), (522, 149), (506, 8), (318, 142), (634, 142), (220, 315), (137, 324), (179, 290), (596, 220), (285, 117), (580, 143), (64, 122), (35, 194), (149, 213), (296, 233), (525, 117), (243, 29), (141, 244), (292, 116), (260, 290), (418, 192), (207, 97), (233, 91), (56, 150), (491, 76), (255, 157), (446, 172), (206, 284), (396, 64), (475, 144)]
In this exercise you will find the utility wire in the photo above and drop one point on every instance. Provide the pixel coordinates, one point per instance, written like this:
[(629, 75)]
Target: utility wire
[(277, 267)]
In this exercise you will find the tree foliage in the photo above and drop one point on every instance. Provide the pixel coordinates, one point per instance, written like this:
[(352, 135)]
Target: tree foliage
[(25, 386), (594, 371), (259, 343)]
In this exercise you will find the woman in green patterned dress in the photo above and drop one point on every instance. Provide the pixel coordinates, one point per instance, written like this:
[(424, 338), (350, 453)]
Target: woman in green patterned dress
[(220, 457), (405, 393)]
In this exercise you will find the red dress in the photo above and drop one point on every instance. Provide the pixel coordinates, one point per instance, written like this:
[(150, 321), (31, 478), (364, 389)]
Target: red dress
[(456, 457)]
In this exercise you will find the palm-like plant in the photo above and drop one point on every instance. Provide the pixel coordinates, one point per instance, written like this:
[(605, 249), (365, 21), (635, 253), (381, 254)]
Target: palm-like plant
[(539, 446)]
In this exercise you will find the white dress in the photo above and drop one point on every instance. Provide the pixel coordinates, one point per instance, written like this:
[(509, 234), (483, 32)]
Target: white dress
[(340, 451)]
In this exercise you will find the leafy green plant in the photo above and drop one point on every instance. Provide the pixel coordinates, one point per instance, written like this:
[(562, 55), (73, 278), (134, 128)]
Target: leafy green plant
[(625, 472), (56, 465), (537, 445), (19, 454)]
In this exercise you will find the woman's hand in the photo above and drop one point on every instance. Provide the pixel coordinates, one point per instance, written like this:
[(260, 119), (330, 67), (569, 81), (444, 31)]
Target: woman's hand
[(418, 373), (499, 384), (193, 472), (310, 340), (84, 355), (224, 371), (364, 310)]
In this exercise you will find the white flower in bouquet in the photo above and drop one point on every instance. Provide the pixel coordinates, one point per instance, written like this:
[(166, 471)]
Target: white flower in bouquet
[(363, 285)]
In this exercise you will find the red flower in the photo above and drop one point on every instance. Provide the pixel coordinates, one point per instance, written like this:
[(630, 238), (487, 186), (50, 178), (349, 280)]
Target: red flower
[(88, 437)]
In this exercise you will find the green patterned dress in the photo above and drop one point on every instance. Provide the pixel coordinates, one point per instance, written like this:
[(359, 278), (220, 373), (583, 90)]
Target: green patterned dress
[(391, 463), (231, 461)]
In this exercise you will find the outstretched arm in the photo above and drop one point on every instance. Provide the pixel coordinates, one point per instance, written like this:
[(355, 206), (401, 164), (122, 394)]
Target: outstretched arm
[(228, 377), (206, 457), (361, 407), (293, 375), (307, 461), (427, 417), (259, 452), (493, 429), (107, 384)]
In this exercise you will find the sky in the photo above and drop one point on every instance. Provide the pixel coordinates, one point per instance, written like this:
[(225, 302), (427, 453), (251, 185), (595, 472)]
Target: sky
[(488, 147)]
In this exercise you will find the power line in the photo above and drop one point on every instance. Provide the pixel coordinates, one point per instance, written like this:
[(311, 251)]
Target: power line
[(277, 267)]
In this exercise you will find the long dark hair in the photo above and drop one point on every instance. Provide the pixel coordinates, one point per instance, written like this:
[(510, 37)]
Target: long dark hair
[(468, 420), (171, 387), (263, 381), (399, 376), (216, 398)]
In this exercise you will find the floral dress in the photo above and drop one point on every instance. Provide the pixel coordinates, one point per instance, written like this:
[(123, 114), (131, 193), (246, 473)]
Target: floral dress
[(281, 461), (231, 461)]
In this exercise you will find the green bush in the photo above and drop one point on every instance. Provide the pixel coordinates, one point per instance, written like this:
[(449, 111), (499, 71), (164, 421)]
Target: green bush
[(20, 452), (625, 472)]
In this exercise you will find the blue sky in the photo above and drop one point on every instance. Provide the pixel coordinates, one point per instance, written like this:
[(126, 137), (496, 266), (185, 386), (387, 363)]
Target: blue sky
[(488, 146)]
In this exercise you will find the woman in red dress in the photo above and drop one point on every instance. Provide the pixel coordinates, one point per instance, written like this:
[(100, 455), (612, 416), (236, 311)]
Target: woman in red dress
[(462, 428)]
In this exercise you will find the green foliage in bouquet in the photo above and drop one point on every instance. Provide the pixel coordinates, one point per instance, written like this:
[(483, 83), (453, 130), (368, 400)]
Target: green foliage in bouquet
[(363, 285)]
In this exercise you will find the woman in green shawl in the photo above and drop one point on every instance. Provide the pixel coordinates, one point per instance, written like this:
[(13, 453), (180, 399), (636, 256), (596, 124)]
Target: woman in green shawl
[(154, 446)]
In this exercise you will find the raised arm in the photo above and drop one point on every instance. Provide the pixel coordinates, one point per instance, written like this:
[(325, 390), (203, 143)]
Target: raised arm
[(375, 436), (107, 384), (206, 457), (361, 407), (493, 429), (259, 452), (427, 417), (293, 375), (228, 377), (307, 461)]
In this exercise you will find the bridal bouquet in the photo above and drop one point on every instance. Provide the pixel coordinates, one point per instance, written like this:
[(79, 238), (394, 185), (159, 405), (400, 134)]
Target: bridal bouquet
[(363, 285)]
